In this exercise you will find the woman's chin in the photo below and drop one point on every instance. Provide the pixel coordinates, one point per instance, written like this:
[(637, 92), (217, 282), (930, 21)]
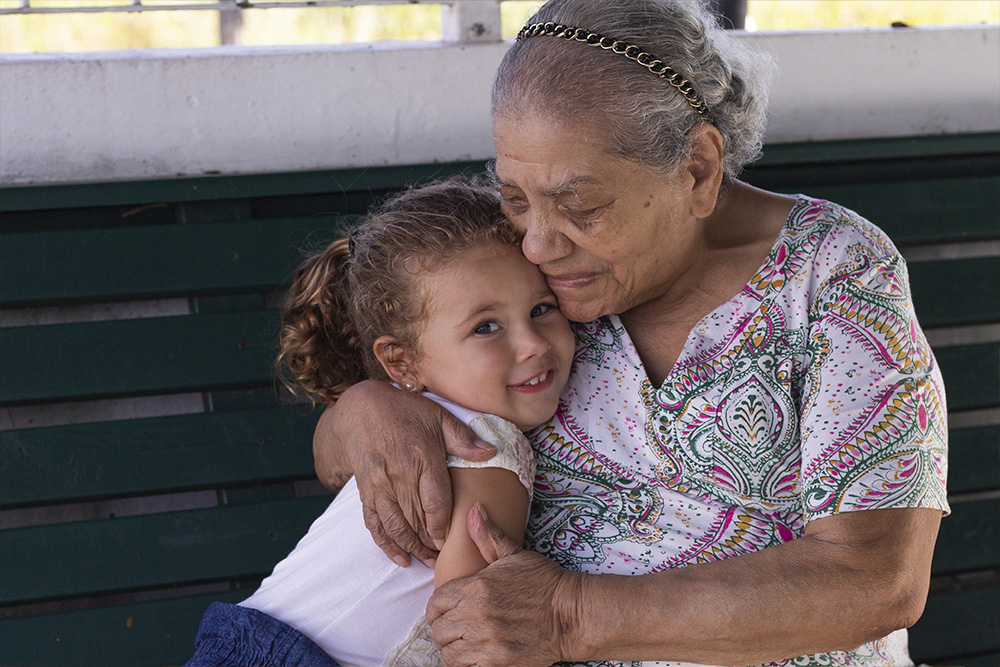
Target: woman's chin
[(584, 311)]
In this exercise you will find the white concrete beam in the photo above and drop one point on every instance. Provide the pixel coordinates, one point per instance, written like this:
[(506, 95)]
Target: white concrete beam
[(231, 110)]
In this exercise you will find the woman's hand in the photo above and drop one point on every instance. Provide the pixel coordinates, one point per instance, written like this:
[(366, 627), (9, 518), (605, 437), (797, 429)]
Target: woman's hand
[(506, 615), (394, 443), (851, 578)]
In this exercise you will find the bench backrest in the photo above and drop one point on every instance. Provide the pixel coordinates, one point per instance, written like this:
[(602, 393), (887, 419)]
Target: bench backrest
[(148, 464)]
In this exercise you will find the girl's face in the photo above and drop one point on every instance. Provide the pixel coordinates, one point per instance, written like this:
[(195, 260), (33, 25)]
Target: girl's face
[(493, 339)]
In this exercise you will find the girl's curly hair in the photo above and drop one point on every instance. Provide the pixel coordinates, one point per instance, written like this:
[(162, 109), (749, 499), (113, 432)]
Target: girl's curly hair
[(365, 285)]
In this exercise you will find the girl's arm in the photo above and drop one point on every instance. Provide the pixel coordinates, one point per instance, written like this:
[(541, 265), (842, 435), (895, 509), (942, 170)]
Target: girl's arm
[(394, 443), (500, 493)]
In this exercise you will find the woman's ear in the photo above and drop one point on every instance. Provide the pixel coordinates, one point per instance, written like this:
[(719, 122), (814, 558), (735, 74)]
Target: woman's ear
[(399, 362), (704, 166)]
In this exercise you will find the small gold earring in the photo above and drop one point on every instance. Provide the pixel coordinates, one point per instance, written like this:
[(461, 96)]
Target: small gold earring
[(408, 386)]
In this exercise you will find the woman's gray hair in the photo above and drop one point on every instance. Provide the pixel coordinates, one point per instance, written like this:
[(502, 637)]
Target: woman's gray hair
[(645, 118)]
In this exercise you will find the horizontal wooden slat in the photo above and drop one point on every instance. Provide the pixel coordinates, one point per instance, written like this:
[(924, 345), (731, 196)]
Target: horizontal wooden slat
[(957, 624), (129, 553), (132, 357), (974, 460), (145, 456), (832, 153), (21, 198), (84, 461), (155, 261), (938, 302), (946, 209), (971, 375), (969, 538), (991, 659), (145, 634), (158, 633)]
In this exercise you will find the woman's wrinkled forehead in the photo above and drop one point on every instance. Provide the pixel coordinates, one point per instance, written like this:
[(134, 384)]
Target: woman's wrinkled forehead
[(557, 157)]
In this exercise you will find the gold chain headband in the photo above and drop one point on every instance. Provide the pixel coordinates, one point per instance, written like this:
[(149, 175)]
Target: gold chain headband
[(630, 51)]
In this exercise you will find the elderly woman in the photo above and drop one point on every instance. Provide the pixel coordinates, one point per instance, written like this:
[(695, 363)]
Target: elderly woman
[(748, 464)]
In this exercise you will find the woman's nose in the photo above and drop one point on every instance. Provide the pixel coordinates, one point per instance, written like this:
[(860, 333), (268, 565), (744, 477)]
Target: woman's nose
[(542, 242)]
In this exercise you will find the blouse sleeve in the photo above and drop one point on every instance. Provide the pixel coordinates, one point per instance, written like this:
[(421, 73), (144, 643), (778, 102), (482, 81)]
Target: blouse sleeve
[(874, 418), (513, 451)]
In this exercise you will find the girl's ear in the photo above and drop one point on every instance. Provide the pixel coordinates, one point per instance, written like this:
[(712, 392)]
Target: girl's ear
[(399, 362)]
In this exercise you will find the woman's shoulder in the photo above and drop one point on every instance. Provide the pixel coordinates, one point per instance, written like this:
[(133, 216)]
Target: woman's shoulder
[(830, 226)]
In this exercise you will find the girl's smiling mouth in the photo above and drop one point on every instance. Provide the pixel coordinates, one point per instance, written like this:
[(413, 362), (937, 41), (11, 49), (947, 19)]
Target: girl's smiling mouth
[(538, 383)]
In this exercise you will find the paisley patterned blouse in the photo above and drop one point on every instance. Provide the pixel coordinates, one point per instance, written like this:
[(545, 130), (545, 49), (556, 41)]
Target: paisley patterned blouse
[(811, 392)]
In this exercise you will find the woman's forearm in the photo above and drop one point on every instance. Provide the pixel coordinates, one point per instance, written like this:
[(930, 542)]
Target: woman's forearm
[(850, 579)]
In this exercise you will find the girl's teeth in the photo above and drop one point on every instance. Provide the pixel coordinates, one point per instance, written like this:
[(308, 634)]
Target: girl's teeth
[(538, 379)]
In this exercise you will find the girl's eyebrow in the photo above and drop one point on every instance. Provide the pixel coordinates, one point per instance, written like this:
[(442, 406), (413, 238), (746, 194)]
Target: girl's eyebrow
[(479, 312)]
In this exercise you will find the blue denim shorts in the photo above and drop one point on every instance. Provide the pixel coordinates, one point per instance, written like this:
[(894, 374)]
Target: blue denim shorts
[(234, 636)]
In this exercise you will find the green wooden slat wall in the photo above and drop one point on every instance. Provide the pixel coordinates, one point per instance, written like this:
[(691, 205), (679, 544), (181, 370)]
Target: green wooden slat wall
[(66, 463), (957, 624), (145, 634), (973, 459), (971, 375), (223, 242), (131, 553), (156, 261), (938, 301), (975, 527), (135, 357), (934, 211)]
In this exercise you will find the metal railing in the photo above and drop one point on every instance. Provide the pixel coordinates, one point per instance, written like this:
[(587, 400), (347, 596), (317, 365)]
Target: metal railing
[(74, 6), (461, 20)]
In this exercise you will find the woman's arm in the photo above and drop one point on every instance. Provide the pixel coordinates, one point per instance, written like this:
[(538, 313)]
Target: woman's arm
[(500, 494), (394, 443), (849, 579)]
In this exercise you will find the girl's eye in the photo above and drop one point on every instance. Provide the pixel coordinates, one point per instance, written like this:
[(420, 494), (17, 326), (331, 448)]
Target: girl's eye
[(486, 328), (541, 309)]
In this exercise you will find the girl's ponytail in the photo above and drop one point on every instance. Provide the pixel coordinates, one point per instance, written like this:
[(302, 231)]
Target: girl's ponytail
[(320, 356)]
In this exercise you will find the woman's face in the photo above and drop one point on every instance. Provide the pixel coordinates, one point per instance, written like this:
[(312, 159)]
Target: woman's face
[(608, 233)]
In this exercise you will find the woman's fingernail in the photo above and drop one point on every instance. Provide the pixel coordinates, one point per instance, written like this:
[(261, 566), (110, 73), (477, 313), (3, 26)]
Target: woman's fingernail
[(482, 513), (482, 444), (439, 544), (401, 561)]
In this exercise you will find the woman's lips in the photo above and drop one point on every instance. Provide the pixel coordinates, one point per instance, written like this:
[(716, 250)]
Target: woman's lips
[(541, 382), (569, 280)]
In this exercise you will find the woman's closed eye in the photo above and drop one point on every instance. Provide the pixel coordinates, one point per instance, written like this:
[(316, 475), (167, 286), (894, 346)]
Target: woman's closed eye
[(513, 205), (582, 216)]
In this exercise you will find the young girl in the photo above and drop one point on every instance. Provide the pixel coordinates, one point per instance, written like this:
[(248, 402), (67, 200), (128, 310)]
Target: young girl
[(432, 293)]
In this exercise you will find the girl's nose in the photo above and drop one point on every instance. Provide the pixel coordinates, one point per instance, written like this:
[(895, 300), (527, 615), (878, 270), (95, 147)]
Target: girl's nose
[(532, 343)]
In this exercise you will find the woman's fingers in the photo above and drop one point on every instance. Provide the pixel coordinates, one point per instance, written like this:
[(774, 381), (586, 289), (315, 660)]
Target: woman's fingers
[(435, 503), (435, 482), (374, 525), (460, 441), (493, 543)]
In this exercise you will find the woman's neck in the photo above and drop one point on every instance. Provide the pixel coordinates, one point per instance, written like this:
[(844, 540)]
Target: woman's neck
[(733, 243)]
